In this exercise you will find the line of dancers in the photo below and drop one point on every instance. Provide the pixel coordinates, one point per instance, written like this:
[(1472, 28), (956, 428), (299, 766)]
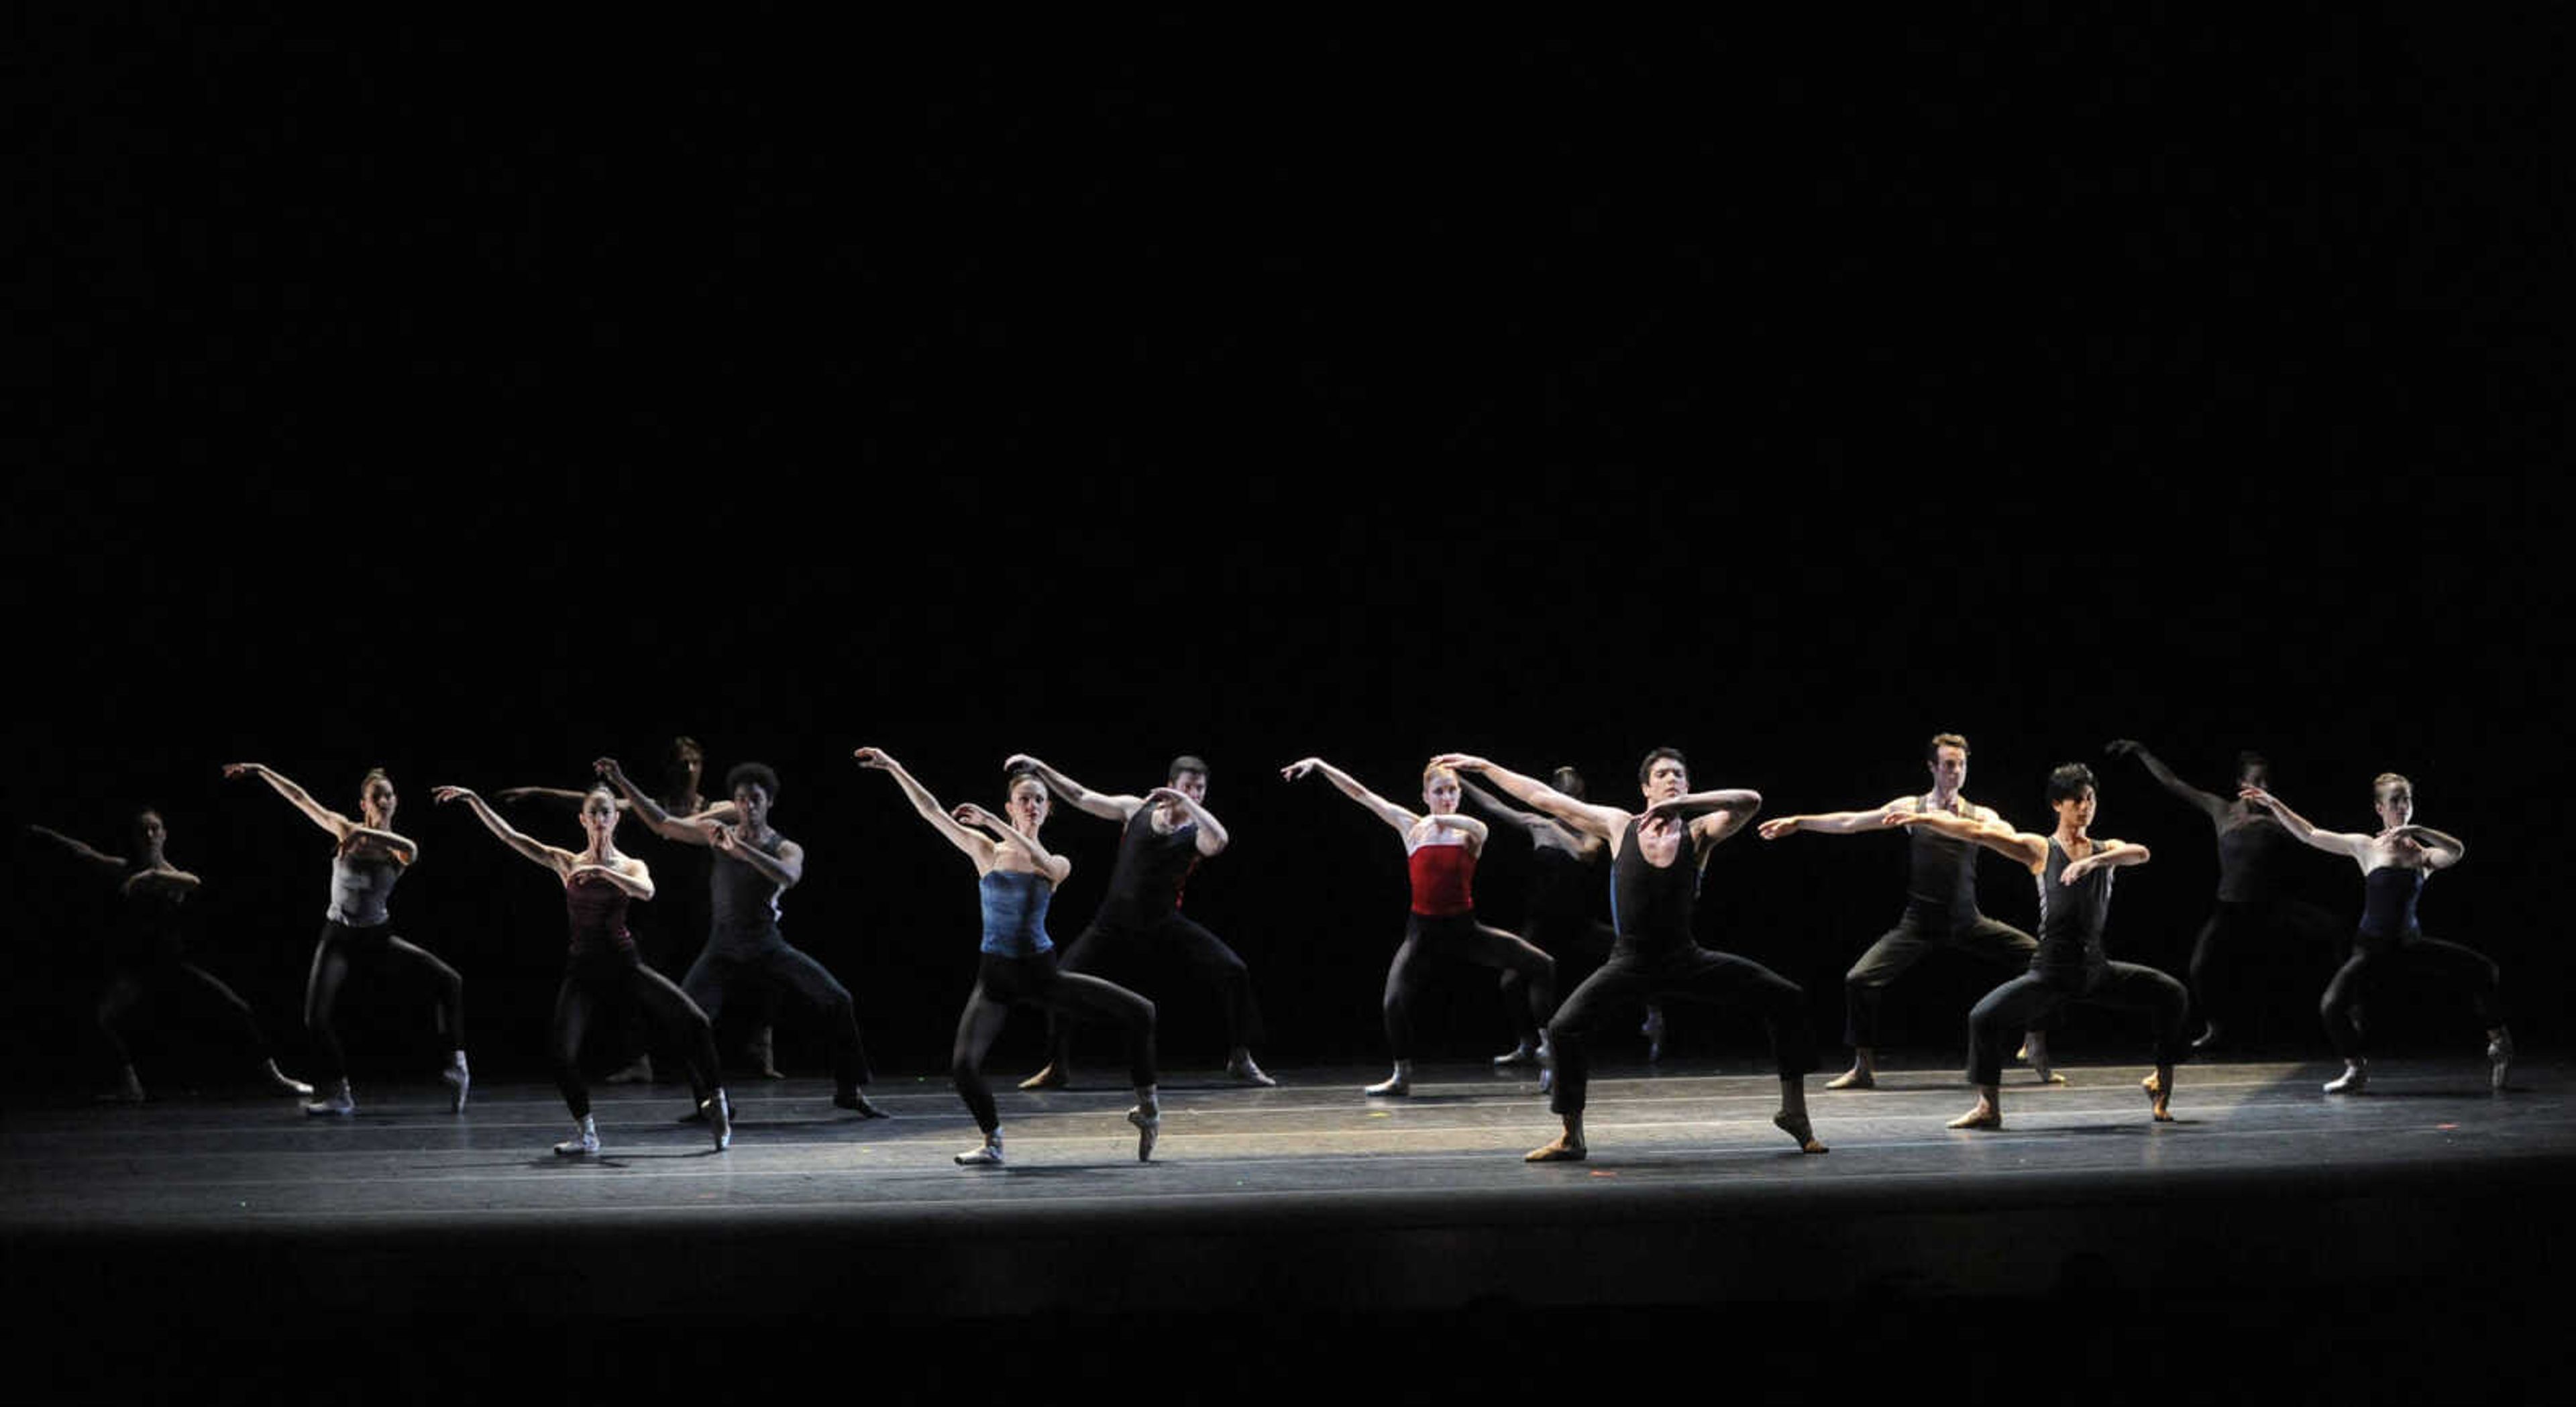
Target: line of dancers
[(1647, 956)]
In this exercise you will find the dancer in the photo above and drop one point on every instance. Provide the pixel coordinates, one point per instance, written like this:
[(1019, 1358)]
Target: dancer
[(2071, 965), (745, 954), (1558, 920), (1440, 850), (601, 968), (357, 931), (147, 953), (2394, 865), (1940, 907), (1166, 833), (1656, 857), (1017, 878), (2252, 901)]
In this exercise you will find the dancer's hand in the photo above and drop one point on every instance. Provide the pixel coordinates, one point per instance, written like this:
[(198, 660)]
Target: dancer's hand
[(1462, 762), (1777, 827), (2259, 797), (722, 837), (1166, 796), (2125, 747), (2077, 869), (1018, 760), (1295, 770), (877, 758), (973, 815), (445, 794), (608, 771), (243, 769)]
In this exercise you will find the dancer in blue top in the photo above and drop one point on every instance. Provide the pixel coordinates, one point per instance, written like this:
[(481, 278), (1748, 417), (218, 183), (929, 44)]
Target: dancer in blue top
[(1017, 876)]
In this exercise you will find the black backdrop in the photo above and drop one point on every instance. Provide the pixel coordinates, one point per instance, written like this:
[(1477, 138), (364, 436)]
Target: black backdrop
[(470, 401)]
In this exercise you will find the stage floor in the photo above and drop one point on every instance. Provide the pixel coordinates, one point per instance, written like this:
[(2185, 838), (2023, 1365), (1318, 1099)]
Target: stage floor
[(1307, 1203)]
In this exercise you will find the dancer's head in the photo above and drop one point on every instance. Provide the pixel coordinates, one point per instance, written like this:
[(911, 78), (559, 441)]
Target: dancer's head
[(1440, 789), (1568, 781), (149, 833), (2394, 798), (754, 789), (2253, 769), (1664, 774), (684, 763), (599, 813), (1025, 800), (1946, 758), (376, 799), (2071, 794), (1188, 775)]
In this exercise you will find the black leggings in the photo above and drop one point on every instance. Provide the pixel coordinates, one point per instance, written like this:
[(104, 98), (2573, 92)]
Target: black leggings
[(154, 983), (2456, 966), (1036, 981), (1691, 973), (1916, 934), (1560, 939), (618, 982), (1458, 938), (2027, 1002), (343, 949), (721, 974), (2235, 930), (1113, 935)]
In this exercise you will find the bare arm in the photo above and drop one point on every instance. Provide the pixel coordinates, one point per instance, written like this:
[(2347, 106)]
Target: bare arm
[(1604, 822), (1477, 832), (169, 877), (366, 840), (1831, 822), (2344, 843), (783, 869), (1713, 815), (338, 825), (1006, 836), (1212, 838), (1402, 820), (2024, 848), (80, 851), (1106, 806), (629, 874), (561, 862), (1474, 793), (549, 794), (978, 848), (2441, 849), (647, 810), (2207, 804), (2107, 854)]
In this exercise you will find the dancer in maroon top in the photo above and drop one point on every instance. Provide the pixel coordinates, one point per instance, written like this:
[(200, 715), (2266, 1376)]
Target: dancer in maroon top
[(1440, 847)]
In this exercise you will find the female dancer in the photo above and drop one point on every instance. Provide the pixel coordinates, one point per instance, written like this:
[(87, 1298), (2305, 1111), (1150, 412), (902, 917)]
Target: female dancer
[(1017, 877), (2071, 965), (357, 931), (602, 968), (1440, 850), (146, 957), (1559, 911), (2394, 865), (2252, 899)]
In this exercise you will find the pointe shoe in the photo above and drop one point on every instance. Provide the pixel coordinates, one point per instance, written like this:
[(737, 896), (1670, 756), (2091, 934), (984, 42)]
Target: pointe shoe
[(1520, 1055), (584, 1141), (2208, 1039), (1854, 1078), (2355, 1076), (457, 1082), (639, 1073), (335, 1104), (719, 1111), (1982, 1117), (1393, 1086), (1800, 1128), (1149, 1127), (1563, 1150), (989, 1155), (2499, 1058), (1241, 1068), (851, 1099), (2158, 1098), (285, 1083), (1052, 1077)]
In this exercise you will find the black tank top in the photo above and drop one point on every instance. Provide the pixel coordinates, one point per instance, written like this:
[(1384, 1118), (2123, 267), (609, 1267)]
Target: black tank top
[(597, 910), (2388, 897), (1151, 867), (146, 928), (1941, 872), (2071, 916), (1651, 907), (2249, 859), (742, 903)]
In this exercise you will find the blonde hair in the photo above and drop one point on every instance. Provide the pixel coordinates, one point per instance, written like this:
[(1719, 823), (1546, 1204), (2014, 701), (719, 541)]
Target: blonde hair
[(2385, 780), (1436, 770)]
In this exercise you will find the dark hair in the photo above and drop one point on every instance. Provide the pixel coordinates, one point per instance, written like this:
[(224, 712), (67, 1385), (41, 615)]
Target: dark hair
[(1647, 767), (136, 820), (374, 775), (2068, 782), (1932, 749), (1011, 782), (1186, 762), (2250, 759), (756, 773), (1567, 780), (682, 746)]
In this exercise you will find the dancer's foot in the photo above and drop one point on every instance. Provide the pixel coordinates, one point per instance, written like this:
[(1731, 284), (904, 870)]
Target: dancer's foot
[(457, 1081), (1242, 1069), (336, 1103), (1566, 1148), (1984, 1116), (1054, 1076), (1857, 1077), (719, 1109), (283, 1082), (850, 1098), (2209, 1038), (1798, 1128), (1148, 1120), (987, 1156), (1520, 1055), (1393, 1086), (2159, 1097), (2356, 1075), (762, 1048), (639, 1073), (2499, 1058), (584, 1141), (1653, 1031)]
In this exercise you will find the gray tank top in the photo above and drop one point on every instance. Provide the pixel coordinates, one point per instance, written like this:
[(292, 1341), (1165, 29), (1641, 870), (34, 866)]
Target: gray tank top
[(360, 885), (742, 903)]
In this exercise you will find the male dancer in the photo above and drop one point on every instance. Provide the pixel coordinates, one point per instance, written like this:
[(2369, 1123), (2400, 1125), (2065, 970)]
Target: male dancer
[(1167, 832), (1940, 907), (1655, 861), (745, 953)]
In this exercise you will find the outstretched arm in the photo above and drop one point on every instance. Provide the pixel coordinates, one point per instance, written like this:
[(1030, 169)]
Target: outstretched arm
[(2345, 843), (80, 851), (549, 794), (2026, 849), (1602, 821), (338, 825), (1831, 822), (649, 811), (559, 861), (2204, 802), (1402, 820), (1107, 806), (977, 847), (1474, 794)]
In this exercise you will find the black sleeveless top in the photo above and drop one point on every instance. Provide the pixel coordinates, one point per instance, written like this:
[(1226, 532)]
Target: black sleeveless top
[(1151, 868), (2071, 917), (147, 925), (1651, 907), (742, 903), (597, 912), (2249, 859), (2388, 897), (1941, 872)]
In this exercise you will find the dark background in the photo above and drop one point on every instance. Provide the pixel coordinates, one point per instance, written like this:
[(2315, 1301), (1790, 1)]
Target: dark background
[(473, 400)]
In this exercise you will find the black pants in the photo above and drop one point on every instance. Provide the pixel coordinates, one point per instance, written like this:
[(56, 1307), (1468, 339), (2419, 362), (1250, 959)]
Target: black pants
[(1036, 981), (1917, 933), (1116, 935), (138, 985), (1431, 942), (2235, 930), (1688, 972), (344, 950), (2454, 965), (729, 972), (613, 984), (2027, 1001), (1585, 937)]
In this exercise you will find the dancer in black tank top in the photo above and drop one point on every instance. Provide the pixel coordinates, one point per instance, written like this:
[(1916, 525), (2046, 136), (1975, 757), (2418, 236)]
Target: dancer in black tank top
[(1655, 858), (1167, 833), (147, 954), (2394, 865), (1940, 907), (2253, 906), (2074, 873)]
